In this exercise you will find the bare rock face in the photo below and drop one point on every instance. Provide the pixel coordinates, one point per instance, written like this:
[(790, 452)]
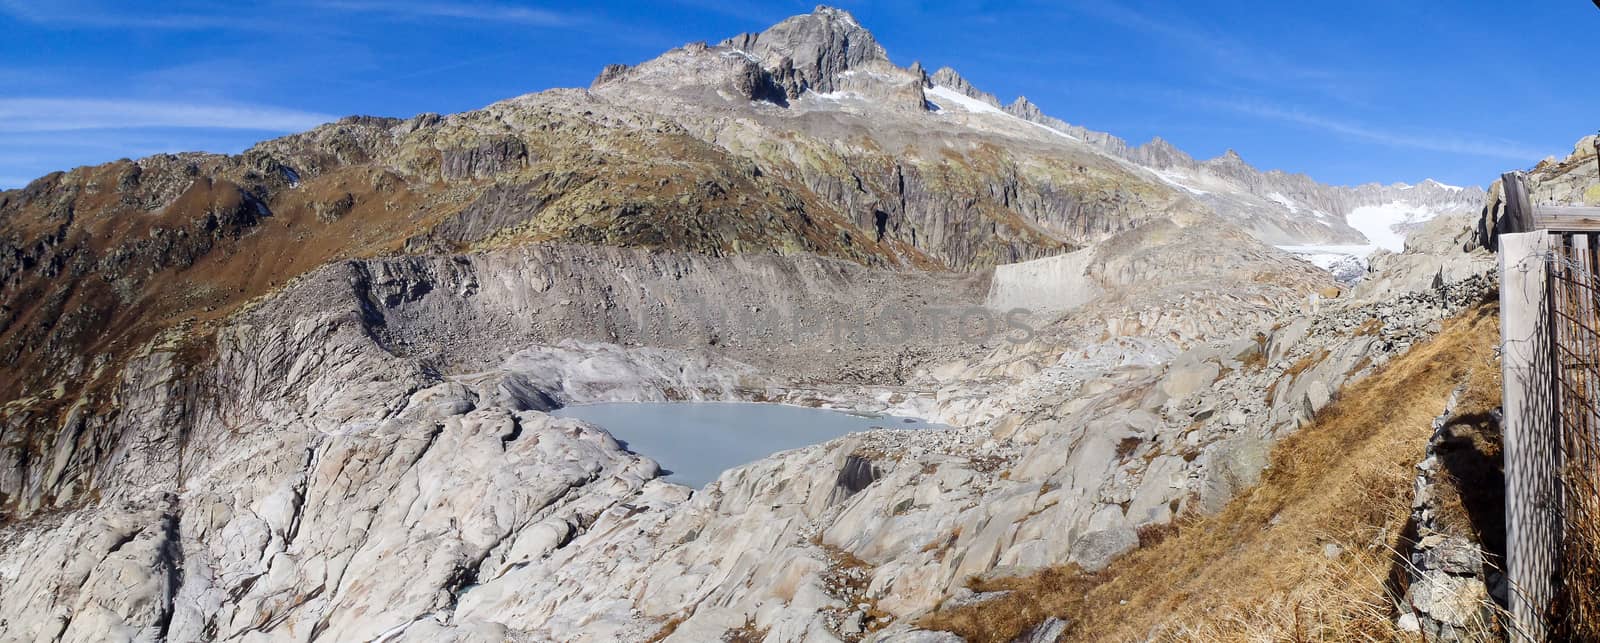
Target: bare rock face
[(1274, 206), (115, 572), (346, 432), (808, 52), (700, 71), (485, 157)]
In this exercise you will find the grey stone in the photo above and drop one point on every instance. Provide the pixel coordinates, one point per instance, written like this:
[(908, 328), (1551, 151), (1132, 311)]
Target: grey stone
[(1094, 551)]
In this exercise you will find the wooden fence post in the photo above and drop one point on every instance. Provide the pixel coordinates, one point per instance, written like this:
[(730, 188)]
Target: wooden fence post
[(1531, 447), (1519, 208)]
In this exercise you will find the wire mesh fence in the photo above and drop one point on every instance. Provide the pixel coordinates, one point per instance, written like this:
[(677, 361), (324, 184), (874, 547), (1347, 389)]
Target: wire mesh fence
[(1574, 313)]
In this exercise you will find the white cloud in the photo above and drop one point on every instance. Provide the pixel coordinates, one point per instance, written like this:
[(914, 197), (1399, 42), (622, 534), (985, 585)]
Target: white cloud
[(67, 114), (93, 14), (1230, 55), (458, 10), (1452, 144)]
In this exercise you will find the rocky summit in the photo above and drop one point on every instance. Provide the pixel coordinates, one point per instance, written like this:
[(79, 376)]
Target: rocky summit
[(302, 392)]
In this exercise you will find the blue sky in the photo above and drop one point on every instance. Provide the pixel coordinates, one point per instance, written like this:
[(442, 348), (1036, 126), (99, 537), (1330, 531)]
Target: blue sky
[(1348, 92)]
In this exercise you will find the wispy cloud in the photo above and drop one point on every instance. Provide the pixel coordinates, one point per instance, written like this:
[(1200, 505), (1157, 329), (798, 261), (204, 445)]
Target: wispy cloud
[(1223, 54), (1447, 143), (95, 15), (69, 114), (459, 10)]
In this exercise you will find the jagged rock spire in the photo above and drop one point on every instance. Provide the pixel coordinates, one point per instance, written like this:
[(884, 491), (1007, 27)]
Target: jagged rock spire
[(920, 72), (1025, 109), (1160, 153), (947, 77), (809, 51)]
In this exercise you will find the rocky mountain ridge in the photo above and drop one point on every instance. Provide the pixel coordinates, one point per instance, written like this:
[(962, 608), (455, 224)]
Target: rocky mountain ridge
[(1280, 208), (1228, 182)]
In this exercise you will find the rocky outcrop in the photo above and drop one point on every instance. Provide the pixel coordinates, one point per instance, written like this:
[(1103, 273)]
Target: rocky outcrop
[(1574, 180), (324, 441), (1441, 252), (808, 52), (483, 158)]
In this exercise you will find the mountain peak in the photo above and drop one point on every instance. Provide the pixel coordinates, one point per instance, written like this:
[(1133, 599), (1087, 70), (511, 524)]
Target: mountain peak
[(919, 71), (1159, 153), (809, 51), (835, 13), (1025, 109), (947, 77)]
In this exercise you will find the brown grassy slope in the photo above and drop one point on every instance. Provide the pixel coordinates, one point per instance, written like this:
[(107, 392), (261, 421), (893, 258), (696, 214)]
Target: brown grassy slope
[(97, 260), (1259, 570)]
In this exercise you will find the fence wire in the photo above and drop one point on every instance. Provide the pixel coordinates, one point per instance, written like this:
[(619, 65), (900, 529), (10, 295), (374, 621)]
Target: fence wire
[(1575, 352)]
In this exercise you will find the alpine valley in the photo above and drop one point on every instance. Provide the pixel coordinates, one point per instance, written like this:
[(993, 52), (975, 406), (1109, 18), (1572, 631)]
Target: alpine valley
[(304, 392)]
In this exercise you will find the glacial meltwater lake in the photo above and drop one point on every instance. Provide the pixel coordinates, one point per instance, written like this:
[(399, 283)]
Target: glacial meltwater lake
[(696, 441)]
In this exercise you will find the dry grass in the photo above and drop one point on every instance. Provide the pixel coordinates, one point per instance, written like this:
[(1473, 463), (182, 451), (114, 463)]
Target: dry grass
[(1054, 591), (1257, 571), (749, 633), (667, 628), (847, 579), (1305, 363), (1127, 446), (941, 545), (1154, 533), (1578, 612), (1577, 609), (1256, 359)]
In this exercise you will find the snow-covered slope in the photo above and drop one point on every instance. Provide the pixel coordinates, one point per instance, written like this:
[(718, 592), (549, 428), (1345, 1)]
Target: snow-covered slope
[(1386, 225)]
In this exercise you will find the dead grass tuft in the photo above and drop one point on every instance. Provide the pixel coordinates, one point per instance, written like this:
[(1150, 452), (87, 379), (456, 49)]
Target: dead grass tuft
[(1127, 446), (748, 633), (942, 545), (1154, 533), (1257, 358), (1305, 363), (667, 628), (1055, 591)]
